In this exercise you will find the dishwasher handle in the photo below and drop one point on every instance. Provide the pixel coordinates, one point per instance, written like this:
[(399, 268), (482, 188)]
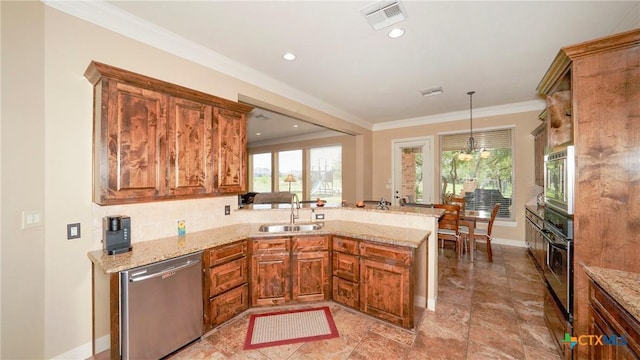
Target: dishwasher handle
[(167, 271)]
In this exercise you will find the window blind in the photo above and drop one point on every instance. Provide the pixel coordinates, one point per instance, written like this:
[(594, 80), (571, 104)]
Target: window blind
[(491, 139)]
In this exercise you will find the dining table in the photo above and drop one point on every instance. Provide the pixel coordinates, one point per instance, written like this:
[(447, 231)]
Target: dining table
[(470, 218)]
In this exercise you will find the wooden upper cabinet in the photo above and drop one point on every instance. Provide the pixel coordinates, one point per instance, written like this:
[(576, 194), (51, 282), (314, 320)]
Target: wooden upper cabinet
[(230, 145), (155, 141), (130, 137), (540, 145), (191, 156)]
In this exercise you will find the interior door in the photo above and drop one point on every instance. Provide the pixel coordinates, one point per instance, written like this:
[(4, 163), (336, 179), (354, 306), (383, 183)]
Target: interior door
[(413, 170)]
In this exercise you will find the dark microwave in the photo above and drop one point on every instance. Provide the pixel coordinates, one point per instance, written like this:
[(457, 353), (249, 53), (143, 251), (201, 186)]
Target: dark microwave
[(559, 179)]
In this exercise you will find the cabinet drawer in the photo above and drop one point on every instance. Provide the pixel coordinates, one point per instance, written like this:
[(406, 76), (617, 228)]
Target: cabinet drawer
[(227, 276), (271, 246), (346, 266), (389, 254), (229, 304), (310, 243), (224, 253), (349, 246), (346, 292)]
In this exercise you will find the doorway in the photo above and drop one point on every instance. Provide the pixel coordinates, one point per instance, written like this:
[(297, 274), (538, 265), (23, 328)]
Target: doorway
[(413, 170)]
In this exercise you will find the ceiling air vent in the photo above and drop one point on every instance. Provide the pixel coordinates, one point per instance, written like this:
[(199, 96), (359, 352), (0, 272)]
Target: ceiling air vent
[(384, 13)]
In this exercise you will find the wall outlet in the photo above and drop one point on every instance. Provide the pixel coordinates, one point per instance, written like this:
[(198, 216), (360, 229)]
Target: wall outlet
[(319, 216), (73, 231), (227, 209)]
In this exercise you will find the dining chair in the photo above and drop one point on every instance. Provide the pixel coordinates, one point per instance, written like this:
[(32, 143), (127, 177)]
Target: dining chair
[(458, 201), (448, 225), (462, 203), (483, 234)]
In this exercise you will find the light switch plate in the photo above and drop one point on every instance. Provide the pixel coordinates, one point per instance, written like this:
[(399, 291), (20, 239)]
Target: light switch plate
[(73, 231)]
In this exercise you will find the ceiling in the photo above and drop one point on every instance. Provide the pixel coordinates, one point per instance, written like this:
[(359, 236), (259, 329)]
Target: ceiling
[(499, 49)]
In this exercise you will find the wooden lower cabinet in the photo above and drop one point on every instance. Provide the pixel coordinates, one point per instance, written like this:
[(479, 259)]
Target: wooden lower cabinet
[(270, 279), (226, 280), (385, 292), (290, 269), (270, 271), (613, 325), (374, 278), (386, 282), (346, 271), (310, 279)]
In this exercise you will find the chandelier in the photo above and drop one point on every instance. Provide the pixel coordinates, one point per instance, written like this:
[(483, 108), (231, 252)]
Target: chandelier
[(467, 153)]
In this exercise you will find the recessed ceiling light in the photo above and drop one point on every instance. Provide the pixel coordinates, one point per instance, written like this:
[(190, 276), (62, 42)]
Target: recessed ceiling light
[(396, 33), (296, 125), (289, 56), (258, 134)]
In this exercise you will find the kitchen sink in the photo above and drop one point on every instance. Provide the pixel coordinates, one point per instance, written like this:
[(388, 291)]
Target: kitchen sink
[(289, 227)]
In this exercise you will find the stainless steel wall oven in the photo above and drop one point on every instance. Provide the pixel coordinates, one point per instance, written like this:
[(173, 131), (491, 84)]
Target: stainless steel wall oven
[(558, 274), (559, 178)]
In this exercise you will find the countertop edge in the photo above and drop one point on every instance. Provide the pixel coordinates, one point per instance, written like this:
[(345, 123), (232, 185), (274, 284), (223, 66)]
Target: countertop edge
[(152, 251), (623, 286)]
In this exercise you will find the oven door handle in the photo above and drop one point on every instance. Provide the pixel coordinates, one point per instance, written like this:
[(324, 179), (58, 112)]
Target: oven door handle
[(555, 244)]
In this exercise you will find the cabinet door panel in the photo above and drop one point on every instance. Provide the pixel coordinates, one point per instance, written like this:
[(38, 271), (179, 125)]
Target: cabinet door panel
[(190, 148), (270, 279), (311, 276), (228, 252), (227, 276), (348, 246), (346, 292), (386, 253), (271, 246), (385, 292), (346, 266), (230, 145), (229, 304), (132, 130), (310, 243)]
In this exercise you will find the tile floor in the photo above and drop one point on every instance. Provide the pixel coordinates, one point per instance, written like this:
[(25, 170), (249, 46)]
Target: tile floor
[(484, 311)]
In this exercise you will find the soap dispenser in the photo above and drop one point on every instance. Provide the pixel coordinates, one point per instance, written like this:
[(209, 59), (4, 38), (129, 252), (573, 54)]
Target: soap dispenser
[(313, 215)]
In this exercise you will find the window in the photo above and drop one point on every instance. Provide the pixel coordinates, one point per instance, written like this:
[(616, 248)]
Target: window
[(325, 173), (317, 171), (261, 171), (482, 180), (290, 162)]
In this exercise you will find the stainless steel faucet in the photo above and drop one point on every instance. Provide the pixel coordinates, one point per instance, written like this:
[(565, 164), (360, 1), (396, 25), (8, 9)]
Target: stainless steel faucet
[(296, 202)]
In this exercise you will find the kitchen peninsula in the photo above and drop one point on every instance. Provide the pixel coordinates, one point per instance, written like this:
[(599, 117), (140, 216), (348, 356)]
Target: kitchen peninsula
[(399, 242)]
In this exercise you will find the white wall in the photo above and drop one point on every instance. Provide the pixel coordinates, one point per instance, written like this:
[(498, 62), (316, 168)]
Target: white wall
[(23, 180)]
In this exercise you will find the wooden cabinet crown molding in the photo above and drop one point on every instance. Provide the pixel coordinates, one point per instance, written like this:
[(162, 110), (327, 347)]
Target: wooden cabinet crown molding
[(561, 65), (97, 70)]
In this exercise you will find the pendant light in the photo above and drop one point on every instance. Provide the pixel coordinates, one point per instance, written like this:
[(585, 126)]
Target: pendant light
[(467, 153)]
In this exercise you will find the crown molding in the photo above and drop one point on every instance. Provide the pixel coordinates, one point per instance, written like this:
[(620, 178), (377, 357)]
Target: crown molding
[(514, 108), (107, 16)]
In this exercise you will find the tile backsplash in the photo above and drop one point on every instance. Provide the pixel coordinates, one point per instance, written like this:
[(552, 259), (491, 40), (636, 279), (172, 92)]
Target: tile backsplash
[(155, 220)]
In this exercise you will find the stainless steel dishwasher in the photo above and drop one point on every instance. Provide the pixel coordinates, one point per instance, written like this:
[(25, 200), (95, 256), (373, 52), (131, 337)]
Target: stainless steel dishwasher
[(161, 307)]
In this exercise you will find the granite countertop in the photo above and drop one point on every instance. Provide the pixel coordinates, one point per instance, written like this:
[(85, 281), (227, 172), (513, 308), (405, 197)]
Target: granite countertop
[(147, 252), (623, 286)]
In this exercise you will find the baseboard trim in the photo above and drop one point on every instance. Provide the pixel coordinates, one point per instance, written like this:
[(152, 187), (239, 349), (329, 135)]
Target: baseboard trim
[(84, 351)]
